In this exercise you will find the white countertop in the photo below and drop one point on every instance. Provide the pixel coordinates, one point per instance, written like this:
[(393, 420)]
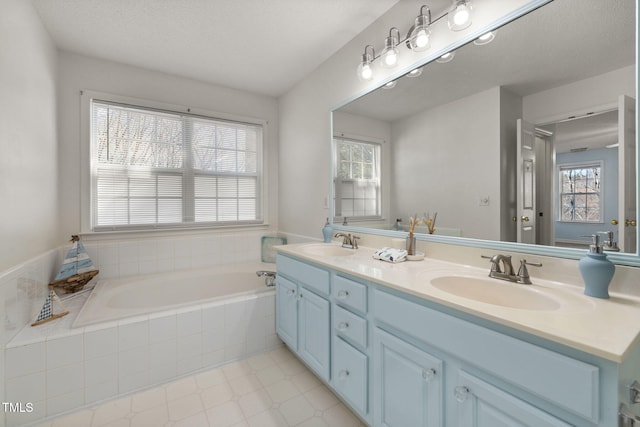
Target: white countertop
[(607, 328)]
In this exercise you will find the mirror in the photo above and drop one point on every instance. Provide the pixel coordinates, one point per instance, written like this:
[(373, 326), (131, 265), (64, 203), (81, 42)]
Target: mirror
[(527, 139)]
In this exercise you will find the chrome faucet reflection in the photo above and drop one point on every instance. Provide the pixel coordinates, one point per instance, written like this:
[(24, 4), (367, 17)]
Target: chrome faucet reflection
[(348, 241), (501, 268)]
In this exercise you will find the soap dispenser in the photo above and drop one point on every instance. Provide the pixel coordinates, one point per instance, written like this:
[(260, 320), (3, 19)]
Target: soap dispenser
[(326, 232), (596, 269)]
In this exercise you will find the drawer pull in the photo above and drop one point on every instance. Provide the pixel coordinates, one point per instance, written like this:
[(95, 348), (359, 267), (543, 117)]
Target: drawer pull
[(343, 294), (428, 374), (343, 374), (461, 393), (343, 326)]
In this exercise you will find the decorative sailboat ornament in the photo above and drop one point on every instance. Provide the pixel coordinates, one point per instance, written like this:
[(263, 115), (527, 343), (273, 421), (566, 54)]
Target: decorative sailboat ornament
[(77, 269), (46, 314)]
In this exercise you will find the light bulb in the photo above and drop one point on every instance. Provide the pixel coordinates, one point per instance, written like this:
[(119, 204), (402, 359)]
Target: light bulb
[(461, 15), (390, 58), (365, 72), (422, 38)]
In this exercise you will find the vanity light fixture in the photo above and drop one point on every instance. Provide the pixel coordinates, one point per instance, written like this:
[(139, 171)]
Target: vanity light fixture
[(486, 38), (446, 57), (365, 71), (390, 53), (459, 15), (419, 36)]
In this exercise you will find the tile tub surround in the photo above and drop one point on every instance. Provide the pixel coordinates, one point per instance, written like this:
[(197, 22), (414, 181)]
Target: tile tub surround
[(71, 368)]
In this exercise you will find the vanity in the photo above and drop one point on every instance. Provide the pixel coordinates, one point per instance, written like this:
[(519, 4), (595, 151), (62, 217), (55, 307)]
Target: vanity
[(433, 343)]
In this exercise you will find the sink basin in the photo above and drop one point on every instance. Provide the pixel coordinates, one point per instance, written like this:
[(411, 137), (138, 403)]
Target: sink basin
[(493, 291), (327, 250)]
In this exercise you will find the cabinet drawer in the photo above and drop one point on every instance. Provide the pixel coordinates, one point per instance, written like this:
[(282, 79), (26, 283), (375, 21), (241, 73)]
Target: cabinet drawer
[(350, 293), (313, 277), (349, 375), (561, 380), (350, 326)]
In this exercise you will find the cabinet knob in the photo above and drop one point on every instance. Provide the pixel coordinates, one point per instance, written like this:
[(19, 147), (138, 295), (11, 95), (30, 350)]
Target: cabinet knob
[(461, 393), (428, 374), (343, 294), (343, 374), (524, 218), (291, 292), (343, 326), (630, 222)]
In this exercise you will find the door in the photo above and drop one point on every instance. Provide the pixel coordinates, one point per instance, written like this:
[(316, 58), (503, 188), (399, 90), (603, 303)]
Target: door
[(408, 384), (627, 174), (526, 183), (287, 311), (314, 323), (482, 405)]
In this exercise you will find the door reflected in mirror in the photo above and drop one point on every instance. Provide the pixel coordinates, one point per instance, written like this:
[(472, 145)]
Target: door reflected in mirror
[(530, 138)]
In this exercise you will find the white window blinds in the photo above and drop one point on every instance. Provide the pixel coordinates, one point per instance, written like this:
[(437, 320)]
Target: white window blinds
[(156, 169)]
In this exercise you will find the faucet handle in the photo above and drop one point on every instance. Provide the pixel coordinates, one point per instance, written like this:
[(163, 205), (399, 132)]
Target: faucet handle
[(523, 272), (495, 263)]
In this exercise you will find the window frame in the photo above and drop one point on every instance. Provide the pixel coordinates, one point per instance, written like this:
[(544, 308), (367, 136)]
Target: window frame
[(87, 181), (580, 165), (378, 165)]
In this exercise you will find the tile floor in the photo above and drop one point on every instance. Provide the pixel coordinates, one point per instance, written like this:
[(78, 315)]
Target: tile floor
[(272, 389)]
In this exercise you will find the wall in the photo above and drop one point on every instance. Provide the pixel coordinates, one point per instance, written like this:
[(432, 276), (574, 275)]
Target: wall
[(77, 73), (583, 96), (458, 163), (305, 133), (28, 150)]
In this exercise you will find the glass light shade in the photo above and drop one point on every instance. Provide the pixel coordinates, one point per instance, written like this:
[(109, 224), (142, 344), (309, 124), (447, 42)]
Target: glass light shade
[(420, 35), (459, 16), (390, 85), (415, 72), (446, 57), (485, 38), (389, 56), (365, 72)]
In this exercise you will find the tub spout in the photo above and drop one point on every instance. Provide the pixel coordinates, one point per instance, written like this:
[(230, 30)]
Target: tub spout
[(269, 277)]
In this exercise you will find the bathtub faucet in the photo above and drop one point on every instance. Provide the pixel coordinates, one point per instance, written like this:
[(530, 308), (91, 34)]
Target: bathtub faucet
[(269, 277)]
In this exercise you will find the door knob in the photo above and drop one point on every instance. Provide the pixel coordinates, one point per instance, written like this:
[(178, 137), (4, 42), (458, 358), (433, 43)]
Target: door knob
[(524, 218), (630, 222), (614, 222)]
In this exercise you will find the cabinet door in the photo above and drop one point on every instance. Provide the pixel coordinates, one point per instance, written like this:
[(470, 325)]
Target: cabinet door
[(314, 331), (483, 405), (287, 311), (408, 384)]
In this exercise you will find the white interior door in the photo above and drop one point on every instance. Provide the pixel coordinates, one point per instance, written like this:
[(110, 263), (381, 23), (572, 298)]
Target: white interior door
[(627, 237), (526, 183)]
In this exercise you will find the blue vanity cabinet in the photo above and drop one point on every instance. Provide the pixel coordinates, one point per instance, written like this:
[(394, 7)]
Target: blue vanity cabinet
[(350, 361), (408, 384), (303, 312)]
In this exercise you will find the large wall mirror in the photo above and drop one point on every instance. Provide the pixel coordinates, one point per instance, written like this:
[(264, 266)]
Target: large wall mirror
[(527, 140)]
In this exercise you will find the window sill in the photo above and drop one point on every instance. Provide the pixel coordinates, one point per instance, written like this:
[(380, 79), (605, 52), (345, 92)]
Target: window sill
[(169, 232)]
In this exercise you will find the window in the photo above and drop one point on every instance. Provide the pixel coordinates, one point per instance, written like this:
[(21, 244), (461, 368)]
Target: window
[(580, 193), (357, 179), (158, 169)]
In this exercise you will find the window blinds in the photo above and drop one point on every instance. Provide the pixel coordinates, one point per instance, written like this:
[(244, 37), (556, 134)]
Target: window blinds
[(156, 169)]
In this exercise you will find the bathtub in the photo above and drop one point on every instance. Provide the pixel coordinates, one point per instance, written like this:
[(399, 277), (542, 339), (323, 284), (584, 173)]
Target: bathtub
[(115, 299), (139, 332)]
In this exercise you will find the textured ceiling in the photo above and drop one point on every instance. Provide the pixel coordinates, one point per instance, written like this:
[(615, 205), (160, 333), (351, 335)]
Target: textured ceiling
[(263, 46)]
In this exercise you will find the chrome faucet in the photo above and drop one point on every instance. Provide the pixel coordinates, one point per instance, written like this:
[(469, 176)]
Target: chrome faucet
[(348, 241), (269, 277), (507, 272)]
